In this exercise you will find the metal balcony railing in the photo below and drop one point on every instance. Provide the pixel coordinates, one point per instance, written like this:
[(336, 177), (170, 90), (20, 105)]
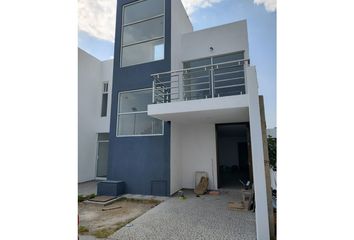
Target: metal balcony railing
[(209, 81)]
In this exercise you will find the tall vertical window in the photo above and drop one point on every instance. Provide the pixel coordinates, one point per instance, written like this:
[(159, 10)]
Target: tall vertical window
[(104, 104), (102, 155), (143, 32), (132, 114)]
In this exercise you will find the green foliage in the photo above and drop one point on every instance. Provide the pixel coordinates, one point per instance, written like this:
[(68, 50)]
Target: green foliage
[(272, 151), (106, 232), (83, 229), (82, 198), (143, 201)]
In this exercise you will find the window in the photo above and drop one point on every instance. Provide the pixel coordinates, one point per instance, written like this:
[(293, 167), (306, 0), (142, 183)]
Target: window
[(102, 154), (132, 119), (104, 104), (143, 32)]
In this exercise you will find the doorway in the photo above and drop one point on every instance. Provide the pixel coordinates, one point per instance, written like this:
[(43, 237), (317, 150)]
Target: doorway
[(102, 155), (233, 155)]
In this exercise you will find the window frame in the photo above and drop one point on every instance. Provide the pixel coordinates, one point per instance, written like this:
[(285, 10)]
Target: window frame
[(143, 41), (97, 150), (136, 112), (104, 93)]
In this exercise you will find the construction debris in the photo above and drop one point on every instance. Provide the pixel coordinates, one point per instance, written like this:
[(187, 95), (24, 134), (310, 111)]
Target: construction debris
[(237, 205), (202, 186), (214, 193)]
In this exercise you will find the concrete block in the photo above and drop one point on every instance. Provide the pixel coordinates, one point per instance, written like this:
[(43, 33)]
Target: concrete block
[(110, 188)]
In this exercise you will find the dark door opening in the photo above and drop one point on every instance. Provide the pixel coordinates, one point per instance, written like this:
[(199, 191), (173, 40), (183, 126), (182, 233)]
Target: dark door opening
[(233, 155)]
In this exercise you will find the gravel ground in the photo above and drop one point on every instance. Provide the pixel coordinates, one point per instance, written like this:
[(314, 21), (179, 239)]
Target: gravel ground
[(205, 217)]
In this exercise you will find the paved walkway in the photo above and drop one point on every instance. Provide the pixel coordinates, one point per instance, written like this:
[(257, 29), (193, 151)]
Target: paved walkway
[(205, 217)]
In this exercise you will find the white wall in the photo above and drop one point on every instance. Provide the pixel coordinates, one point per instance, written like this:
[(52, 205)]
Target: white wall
[(262, 221), (198, 144), (180, 24), (176, 158), (193, 148), (106, 75), (91, 75), (224, 39), (88, 80)]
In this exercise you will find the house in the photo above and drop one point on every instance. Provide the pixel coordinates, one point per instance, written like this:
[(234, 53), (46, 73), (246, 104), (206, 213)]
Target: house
[(183, 101), (94, 90)]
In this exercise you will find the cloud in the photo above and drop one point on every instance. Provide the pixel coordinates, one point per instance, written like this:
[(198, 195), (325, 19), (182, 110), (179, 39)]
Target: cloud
[(193, 5), (98, 18), (270, 5)]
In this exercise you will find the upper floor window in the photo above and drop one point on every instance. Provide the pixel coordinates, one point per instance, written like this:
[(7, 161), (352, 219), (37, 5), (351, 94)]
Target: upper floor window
[(143, 32), (104, 104), (132, 114)]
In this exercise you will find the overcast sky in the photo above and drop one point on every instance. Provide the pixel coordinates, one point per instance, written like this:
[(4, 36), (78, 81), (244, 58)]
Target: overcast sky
[(97, 26)]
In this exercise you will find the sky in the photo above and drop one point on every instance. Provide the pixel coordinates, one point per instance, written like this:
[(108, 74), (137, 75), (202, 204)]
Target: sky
[(97, 26)]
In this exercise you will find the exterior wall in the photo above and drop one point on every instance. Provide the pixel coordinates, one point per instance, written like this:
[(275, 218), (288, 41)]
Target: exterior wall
[(176, 157), (106, 76), (199, 154), (224, 39), (88, 83), (180, 24), (193, 148), (144, 161), (262, 222), (91, 75)]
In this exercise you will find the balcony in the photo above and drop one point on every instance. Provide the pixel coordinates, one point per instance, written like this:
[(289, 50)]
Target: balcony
[(203, 82), (215, 93)]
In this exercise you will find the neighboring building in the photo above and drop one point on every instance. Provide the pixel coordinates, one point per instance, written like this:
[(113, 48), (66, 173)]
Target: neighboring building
[(94, 90), (183, 101), (272, 132)]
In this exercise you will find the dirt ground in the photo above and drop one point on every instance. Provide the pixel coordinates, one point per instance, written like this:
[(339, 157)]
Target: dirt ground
[(94, 221)]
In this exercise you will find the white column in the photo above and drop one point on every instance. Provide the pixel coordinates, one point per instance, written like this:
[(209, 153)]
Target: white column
[(262, 222)]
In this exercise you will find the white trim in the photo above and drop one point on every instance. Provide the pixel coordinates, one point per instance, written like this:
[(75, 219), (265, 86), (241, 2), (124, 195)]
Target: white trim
[(105, 82), (103, 93), (101, 178), (143, 41), (146, 135), (127, 113), (143, 20), (96, 156)]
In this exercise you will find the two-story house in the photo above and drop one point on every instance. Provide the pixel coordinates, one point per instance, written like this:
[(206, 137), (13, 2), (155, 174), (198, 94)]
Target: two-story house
[(183, 101), (94, 98)]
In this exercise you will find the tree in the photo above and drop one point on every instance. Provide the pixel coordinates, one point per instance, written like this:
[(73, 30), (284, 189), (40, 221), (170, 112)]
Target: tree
[(272, 151)]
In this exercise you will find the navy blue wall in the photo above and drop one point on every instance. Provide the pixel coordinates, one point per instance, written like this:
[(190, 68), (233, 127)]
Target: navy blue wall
[(143, 163)]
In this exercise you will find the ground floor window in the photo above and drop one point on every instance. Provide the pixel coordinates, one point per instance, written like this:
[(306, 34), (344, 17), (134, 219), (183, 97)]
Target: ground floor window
[(132, 118), (102, 155)]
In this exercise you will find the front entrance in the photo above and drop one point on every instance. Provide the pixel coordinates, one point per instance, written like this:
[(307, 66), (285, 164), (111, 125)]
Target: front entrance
[(233, 155), (102, 155)]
